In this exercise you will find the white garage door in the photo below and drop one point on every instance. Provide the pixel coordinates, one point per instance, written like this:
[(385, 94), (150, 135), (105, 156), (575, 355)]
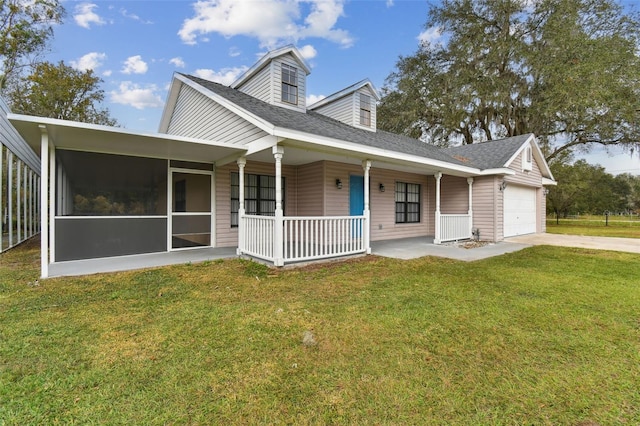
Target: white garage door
[(519, 210)]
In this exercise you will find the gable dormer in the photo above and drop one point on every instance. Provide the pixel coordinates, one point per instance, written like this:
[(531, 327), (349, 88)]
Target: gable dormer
[(278, 78), (355, 105)]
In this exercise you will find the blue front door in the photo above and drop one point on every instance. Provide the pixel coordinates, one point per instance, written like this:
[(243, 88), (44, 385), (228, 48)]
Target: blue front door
[(356, 201), (356, 195)]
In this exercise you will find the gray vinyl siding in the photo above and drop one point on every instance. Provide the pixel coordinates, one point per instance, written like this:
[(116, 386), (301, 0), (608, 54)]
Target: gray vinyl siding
[(342, 109), (226, 236), (485, 200), (276, 81), (198, 116), (259, 86)]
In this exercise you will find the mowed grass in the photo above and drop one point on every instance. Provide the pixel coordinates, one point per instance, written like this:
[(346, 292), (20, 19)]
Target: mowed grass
[(596, 226), (543, 336)]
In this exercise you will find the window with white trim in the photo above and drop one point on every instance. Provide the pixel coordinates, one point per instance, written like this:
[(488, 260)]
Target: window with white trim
[(407, 202), (289, 84), (365, 110), (259, 195)]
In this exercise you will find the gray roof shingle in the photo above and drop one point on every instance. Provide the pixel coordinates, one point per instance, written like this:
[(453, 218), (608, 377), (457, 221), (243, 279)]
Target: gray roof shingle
[(315, 123), (490, 154)]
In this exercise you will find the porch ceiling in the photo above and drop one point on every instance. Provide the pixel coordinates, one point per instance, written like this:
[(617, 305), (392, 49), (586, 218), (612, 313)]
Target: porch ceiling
[(298, 153), (114, 140)]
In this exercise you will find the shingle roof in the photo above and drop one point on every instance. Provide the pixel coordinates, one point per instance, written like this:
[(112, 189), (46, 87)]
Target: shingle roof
[(483, 156), (490, 154)]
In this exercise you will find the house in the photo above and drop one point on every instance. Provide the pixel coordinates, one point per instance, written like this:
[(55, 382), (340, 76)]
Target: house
[(252, 166)]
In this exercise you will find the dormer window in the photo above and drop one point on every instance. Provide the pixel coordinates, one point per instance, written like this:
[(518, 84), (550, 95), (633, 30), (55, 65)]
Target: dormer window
[(365, 110), (289, 84)]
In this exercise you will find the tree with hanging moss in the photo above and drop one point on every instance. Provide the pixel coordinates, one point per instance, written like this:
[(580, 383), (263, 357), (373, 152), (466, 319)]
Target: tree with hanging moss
[(565, 70)]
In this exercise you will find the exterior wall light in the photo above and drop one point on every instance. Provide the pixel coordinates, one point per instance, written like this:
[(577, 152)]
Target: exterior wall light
[(338, 184), (381, 187), (502, 186)]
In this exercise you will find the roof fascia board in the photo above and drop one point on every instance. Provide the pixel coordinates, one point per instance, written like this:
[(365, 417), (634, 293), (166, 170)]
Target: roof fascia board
[(537, 153), (518, 151), (170, 104), (261, 144), (345, 92), (114, 130), (547, 181), (269, 57), (499, 171), (366, 150), (241, 112)]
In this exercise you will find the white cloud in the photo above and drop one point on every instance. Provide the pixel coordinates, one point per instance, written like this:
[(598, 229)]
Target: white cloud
[(178, 62), (273, 23), (312, 99), (136, 96), (308, 52), (225, 76), (135, 65), (389, 3), (133, 16), (430, 35), (85, 16), (234, 51), (90, 61), (107, 73)]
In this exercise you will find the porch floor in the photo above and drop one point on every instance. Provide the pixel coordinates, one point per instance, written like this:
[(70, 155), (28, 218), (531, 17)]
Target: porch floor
[(412, 248), (405, 248), (138, 261)]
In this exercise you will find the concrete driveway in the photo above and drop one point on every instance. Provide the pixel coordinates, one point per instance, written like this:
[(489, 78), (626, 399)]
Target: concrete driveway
[(631, 245)]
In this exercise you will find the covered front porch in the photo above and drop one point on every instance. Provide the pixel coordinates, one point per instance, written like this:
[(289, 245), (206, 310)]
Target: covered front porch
[(285, 239)]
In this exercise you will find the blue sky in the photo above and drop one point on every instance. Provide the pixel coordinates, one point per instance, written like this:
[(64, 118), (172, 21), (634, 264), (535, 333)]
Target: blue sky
[(136, 46)]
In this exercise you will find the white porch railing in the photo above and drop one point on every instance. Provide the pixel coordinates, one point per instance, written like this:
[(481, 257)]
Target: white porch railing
[(258, 236), (304, 237), (311, 238), (455, 227)]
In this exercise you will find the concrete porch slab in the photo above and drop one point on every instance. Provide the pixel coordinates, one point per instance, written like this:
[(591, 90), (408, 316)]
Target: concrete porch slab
[(138, 261), (412, 248)]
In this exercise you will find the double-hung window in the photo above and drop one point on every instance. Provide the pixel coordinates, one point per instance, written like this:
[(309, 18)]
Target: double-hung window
[(407, 202), (365, 110), (289, 84), (259, 195)]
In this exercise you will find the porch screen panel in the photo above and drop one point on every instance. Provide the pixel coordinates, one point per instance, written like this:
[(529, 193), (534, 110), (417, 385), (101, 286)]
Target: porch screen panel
[(109, 205), (259, 195)]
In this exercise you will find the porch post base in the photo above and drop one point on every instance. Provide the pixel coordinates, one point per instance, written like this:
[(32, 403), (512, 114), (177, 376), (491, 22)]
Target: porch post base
[(278, 262), (437, 241)]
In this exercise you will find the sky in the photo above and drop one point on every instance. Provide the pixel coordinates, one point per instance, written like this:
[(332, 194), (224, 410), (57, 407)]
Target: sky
[(136, 46)]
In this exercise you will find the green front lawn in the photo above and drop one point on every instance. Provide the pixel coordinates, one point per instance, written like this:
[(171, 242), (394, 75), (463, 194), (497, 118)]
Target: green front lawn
[(596, 226), (543, 336)]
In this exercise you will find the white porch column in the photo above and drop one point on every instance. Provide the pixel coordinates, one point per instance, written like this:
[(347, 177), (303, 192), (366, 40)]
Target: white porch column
[(470, 182), (44, 216), (436, 239), (278, 237), (366, 166), (18, 199), (241, 212)]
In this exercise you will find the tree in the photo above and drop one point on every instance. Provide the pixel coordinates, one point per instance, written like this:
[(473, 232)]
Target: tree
[(565, 70), (584, 188), (60, 91), (25, 29)]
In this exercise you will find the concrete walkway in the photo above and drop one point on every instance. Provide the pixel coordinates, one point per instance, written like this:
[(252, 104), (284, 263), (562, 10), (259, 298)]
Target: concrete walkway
[(412, 248), (630, 245)]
